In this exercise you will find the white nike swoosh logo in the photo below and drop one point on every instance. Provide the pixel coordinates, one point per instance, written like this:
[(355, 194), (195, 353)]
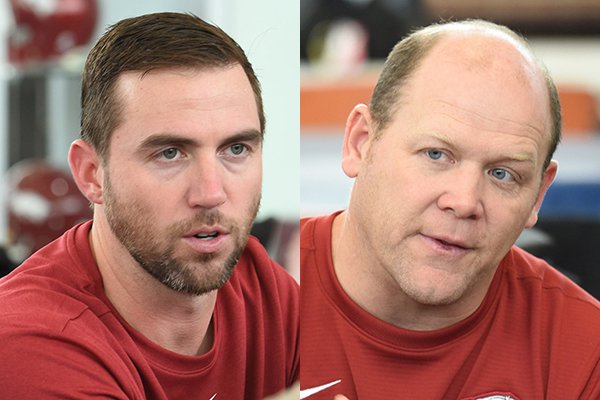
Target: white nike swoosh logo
[(213, 397), (305, 393)]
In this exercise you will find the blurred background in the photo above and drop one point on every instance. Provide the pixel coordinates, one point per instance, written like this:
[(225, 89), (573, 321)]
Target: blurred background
[(43, 45), (343, 44)]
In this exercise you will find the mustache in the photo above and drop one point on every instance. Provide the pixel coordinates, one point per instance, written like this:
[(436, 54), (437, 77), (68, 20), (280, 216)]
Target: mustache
[(212, 217), (202, 217)]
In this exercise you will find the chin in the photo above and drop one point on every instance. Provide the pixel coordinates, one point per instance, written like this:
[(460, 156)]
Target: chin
[(429, 299), (435, 295)]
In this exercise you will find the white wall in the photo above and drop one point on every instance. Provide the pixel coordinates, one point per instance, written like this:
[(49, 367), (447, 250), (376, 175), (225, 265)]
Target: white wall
[(269, 32)]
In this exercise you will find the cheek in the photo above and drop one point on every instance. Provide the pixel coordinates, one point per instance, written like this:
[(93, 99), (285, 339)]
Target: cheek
[(253, 177), (157, 200), (506, 218), (242, 187), (400, 192), (152, 204), (383, 203)]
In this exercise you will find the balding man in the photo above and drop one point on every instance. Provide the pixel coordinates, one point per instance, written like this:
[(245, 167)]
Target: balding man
[(416, 290)]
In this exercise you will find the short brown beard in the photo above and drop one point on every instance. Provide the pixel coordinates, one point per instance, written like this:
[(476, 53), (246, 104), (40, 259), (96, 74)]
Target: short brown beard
[(127, 224)]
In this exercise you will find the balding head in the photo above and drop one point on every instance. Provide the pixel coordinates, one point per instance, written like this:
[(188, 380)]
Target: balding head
[(470, 45)]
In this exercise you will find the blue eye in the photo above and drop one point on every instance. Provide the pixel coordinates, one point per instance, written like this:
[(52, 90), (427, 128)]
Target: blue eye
[(170, 153), (237, 149), (501, 174), (435, 154)]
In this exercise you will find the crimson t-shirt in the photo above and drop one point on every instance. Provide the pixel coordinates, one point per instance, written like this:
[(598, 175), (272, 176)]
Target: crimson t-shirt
[(61, 338), (536, 335)]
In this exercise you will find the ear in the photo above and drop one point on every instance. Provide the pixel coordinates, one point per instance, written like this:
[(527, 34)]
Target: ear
[(86, 167), (357, 138), (547, 179)]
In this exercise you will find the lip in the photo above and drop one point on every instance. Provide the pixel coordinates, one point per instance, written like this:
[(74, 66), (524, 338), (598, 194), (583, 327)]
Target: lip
[(447, 244), (205, 230), (207, 246)]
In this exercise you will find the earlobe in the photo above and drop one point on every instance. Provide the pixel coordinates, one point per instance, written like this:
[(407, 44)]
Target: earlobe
[(87, 171), (547, 180), (356, 140)]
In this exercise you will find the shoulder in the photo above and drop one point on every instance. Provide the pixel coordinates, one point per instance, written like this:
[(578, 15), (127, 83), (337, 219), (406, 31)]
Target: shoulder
[(53, 335), (313, 229), (52, 291), (307, 231), (540, 276), (42, 356), (552, 298)]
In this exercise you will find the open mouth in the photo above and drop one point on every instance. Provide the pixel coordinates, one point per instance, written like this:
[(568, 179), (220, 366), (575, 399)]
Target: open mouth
[(206, 236), (208, 239)]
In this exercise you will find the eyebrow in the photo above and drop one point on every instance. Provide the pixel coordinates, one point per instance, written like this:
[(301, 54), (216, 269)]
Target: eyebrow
[(174, 139), (522, 157), (250, 135), (517, 157), (442, 138)]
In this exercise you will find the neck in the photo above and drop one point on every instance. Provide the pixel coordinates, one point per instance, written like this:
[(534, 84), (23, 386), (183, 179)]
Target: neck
[(178, 322), (374, 290)]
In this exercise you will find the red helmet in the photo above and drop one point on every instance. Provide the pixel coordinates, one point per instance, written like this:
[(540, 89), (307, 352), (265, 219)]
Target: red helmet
[(43, 202), (45, 29)]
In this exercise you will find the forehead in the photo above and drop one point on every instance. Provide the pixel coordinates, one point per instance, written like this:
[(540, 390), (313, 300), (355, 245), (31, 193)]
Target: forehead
[(208, 88), (466, 30), (217, 101), (483, 80)]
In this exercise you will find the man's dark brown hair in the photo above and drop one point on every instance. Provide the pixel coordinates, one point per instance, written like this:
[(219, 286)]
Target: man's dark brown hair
[(146, 43)]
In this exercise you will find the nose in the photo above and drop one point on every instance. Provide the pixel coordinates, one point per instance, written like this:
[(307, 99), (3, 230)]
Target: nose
[(207, 188), (463, 194)]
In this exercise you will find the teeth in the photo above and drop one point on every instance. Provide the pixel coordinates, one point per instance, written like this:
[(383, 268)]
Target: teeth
[(206, 236)]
